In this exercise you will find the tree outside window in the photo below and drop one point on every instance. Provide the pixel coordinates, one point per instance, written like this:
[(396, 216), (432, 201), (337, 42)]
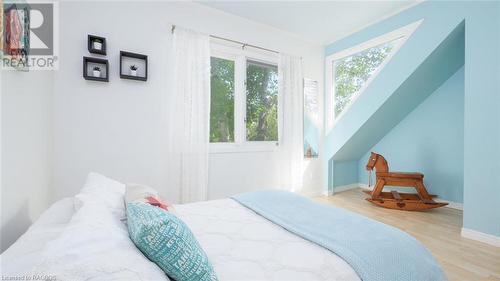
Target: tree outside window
[(352, 72)]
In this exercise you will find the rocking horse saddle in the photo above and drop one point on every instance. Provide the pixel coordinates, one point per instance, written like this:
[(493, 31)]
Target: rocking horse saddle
[(400, 175)]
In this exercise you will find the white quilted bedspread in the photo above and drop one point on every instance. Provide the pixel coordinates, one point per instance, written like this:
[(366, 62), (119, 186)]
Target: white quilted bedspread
[(242, 245)]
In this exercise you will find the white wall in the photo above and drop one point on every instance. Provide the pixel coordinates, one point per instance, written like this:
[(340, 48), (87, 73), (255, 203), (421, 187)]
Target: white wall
[(119, 128), (26, 102)]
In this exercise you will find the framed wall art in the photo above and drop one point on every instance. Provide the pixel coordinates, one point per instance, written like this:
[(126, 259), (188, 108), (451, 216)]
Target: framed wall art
[(16, 40)]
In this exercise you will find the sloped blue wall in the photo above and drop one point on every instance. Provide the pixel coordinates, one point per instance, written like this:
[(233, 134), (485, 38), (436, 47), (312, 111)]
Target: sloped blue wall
[(428, 58), (376, 112), (430, 140)]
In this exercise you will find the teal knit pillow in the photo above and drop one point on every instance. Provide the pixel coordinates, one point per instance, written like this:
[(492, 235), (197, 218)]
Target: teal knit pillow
[(168, 242)]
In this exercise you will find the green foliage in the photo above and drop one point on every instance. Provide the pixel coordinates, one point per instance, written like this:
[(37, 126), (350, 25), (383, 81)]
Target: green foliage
[(262, 102), (222, 100), (352, 72)]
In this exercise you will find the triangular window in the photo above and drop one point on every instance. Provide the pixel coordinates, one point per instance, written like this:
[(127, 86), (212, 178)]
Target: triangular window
[(350, 71)]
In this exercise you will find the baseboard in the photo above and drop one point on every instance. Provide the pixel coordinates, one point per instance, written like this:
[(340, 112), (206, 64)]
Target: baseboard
[(451, 204), (327, 193), (481, 237), (338, 189), (345, 187), (341, 188), (365, 186)]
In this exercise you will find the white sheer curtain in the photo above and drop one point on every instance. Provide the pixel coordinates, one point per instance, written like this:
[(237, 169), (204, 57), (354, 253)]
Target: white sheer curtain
[(189, 115), (291, 87)]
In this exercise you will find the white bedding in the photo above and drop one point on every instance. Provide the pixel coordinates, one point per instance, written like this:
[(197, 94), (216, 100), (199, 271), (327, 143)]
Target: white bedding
[(240, 244), (25, 253), (95, 245)]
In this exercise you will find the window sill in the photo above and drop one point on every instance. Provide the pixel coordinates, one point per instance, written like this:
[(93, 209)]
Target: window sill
[(218, 148)]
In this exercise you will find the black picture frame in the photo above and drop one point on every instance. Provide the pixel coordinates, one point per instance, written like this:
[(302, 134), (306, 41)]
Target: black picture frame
[(90, 45), (95, 61), (134, 56)]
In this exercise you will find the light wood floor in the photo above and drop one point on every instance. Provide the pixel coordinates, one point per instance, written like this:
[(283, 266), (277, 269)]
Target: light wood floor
[(438, 229)]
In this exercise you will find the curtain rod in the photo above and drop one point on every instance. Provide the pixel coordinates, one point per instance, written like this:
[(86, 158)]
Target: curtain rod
[(243, 45)]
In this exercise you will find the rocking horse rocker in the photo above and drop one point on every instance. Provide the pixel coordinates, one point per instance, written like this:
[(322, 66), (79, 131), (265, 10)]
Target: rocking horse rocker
[(421, 200)]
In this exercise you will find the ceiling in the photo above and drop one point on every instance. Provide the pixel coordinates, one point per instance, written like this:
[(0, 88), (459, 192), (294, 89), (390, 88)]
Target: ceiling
[(320, 22)]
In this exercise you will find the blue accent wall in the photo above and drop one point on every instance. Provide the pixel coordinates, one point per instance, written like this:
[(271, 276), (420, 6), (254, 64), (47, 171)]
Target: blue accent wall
[(428, 58), (429, 140), (418, 69), (346, 173), (482, 118)]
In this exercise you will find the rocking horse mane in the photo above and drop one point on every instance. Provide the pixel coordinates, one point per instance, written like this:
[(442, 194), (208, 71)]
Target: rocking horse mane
[(378, 162)]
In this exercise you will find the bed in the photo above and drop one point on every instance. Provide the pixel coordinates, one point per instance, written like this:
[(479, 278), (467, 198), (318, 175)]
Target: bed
[(240, 243)]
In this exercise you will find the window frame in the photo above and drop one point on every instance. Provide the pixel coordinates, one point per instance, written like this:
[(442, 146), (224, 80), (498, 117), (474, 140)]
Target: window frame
[(402, 33), (240, 55)]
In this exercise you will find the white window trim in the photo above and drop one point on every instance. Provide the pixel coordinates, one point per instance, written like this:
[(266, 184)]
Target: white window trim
[(404, 32), (239, 55)]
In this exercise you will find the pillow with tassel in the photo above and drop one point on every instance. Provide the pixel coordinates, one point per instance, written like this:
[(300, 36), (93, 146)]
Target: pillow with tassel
[(167, 241)]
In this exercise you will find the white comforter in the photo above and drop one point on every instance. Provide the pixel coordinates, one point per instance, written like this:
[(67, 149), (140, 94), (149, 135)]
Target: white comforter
[(93, 245), (25, 253), (240, 244)]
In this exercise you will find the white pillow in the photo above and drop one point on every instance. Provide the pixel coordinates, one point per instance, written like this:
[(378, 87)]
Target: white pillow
[(103, 190), (138, 192), (96, 246)]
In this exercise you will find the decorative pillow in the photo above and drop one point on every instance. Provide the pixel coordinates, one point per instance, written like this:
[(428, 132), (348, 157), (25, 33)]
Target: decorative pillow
[(168, 242)]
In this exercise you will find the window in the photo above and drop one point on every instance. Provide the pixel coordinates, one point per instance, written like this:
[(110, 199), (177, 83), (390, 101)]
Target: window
[(221, 100), (244, 105), (350, 71), (261, 101)]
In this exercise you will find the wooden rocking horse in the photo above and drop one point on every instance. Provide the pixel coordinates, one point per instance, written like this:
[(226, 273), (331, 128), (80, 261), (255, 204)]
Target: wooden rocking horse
[(421, 200)]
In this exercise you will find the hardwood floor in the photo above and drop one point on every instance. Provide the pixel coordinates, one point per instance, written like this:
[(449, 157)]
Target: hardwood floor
[(438, 229)]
